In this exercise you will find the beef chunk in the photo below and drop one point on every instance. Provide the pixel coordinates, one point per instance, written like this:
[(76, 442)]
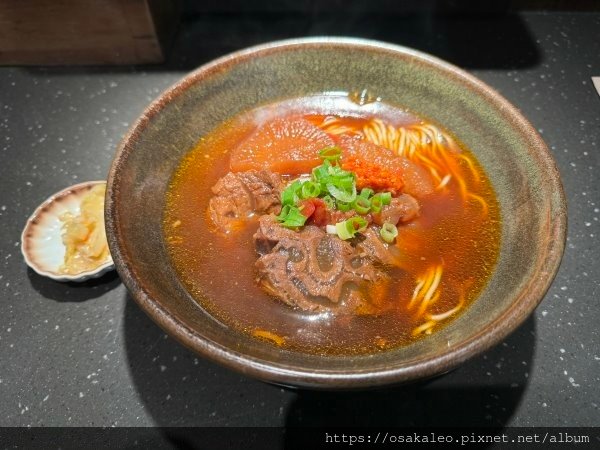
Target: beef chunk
[(401, 209), (269, 233), (312, 270), (239, 195), (371, 246), (335, 215)]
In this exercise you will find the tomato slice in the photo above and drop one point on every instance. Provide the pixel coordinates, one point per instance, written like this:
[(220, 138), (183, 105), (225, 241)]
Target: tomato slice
[(319, 217), (307, 207), (315, 210)]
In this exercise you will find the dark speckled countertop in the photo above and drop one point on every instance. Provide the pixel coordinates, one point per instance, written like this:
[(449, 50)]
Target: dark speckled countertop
[(85, 354)]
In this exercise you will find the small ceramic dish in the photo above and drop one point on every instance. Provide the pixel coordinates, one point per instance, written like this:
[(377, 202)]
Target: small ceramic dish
[(41, 240)]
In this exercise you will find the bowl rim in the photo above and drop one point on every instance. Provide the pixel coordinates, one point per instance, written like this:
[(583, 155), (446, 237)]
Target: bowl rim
[(277, 373)]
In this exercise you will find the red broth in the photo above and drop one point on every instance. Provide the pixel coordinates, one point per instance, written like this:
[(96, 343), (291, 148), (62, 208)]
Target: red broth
[(452, 247)]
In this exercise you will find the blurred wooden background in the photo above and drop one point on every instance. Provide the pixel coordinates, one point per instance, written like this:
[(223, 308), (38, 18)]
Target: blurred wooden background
[(67, 32), (52, 32)]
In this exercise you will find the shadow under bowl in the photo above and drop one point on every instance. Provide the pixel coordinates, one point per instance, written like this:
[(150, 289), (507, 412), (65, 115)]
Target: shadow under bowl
[(518, 163)]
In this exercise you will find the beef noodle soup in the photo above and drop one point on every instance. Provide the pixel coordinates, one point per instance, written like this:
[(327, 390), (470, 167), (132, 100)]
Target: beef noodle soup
[(329, 226)]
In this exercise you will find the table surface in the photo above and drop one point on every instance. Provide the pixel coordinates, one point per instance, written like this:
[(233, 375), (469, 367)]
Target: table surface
[(85, 354)]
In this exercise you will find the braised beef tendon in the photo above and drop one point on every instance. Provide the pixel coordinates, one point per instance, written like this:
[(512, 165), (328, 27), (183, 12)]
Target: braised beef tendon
[(312, 270), (370, 245)]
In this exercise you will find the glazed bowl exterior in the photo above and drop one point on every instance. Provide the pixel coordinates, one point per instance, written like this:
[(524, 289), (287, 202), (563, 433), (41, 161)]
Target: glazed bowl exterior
[(514, 156)]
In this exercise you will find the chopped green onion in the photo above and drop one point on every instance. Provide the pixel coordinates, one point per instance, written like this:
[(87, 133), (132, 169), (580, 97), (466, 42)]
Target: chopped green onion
[(321, 173), (332, 153), (342, 231), (379, 200), (337, 188), (285, 210), (290, 195), (348, 228), (386, 197), (343, 195), (310, 189), (329, 201), (376, 204), (343, 206), (361, 205), (339, 183), (291, 217), (337, 171), (346, 183), (388, 232), (359, 224), (366, 193)]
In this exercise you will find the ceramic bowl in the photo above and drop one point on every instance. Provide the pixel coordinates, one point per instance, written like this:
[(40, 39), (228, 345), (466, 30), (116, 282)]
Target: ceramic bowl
[(41, 240), (516, 159)]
